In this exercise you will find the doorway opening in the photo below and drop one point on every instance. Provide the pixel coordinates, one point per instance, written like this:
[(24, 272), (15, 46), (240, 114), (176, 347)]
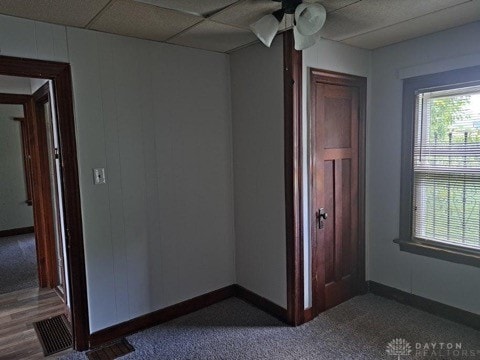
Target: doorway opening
[(32, 206), (18, 256), (48, 188)]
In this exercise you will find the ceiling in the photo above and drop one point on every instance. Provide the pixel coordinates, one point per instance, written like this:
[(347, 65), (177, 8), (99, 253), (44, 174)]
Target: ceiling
[(223, 25)]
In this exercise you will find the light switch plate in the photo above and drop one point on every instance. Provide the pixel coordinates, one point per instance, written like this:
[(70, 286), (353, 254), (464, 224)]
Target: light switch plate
[(99, 176)]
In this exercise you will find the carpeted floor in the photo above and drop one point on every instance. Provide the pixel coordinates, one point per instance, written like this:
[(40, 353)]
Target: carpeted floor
[(358, 329), (18, 263)]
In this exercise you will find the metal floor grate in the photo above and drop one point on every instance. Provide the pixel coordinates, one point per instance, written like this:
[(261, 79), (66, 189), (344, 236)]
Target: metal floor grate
[(54, 334), (111, 351)]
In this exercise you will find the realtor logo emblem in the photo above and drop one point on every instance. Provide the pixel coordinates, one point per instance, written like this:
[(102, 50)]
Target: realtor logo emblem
[(399, 347)]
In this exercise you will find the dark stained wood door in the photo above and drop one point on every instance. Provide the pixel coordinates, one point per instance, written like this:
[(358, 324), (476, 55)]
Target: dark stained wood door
[(335, 192), (47, 203)]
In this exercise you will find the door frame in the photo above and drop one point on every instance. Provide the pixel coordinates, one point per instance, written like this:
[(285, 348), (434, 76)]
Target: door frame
[(60, 75), (335, 78), (292, 103)]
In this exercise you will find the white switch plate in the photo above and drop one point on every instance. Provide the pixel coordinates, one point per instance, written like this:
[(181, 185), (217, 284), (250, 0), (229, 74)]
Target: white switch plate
[(99, 176)]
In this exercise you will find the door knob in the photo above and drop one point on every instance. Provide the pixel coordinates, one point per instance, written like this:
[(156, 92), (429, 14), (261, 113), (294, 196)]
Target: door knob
[(321, 214)]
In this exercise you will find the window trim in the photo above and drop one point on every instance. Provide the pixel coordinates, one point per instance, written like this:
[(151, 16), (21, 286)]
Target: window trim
[(411, 86)]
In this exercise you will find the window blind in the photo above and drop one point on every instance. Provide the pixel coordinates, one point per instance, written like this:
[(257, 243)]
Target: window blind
[(446, 167)]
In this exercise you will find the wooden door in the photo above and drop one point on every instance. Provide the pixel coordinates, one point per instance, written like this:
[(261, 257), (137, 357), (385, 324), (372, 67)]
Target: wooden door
[(336, 241), (44, 105), (46, 209), (42, 195)]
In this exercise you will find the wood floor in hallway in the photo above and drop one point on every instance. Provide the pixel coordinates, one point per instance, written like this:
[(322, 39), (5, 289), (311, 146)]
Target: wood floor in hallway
[(18, 311)]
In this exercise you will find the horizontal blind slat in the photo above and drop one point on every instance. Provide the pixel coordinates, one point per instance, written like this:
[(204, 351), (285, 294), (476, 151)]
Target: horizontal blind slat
[(446, 167)]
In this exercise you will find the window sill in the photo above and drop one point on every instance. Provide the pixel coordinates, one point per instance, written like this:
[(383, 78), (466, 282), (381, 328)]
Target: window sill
[(439, 251)]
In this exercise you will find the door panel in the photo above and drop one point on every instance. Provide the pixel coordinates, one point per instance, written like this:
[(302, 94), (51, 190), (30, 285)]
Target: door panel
[(42, 203), (347, 217), (54, 167), (329, 226), (337, 125), (45, 204), (335, 181)]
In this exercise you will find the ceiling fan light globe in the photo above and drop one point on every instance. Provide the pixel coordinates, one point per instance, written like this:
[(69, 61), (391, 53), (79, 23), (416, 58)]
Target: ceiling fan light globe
[(266, 28), (310, 18), (302, 42)]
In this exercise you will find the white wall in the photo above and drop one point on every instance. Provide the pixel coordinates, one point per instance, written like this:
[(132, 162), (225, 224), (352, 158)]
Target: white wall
[(36, 84), (257, 112), (157, 118), (332, 56), (14, 212), (446, 282), (252, 104), (14, 85)]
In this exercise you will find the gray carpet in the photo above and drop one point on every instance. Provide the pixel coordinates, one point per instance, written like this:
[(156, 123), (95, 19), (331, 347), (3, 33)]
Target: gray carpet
[(357, 329), (18, 263)]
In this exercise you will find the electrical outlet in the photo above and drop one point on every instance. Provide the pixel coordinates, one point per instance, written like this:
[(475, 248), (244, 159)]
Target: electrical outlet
[(99, 176)]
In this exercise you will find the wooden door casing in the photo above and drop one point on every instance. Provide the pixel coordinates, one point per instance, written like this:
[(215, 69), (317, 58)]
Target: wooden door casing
[(292, 90), (337, 169), (60, 75)]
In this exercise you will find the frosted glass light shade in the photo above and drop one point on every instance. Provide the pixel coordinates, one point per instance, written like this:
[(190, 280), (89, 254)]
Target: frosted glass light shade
[(301, 41), (310, 18), (266, 28)]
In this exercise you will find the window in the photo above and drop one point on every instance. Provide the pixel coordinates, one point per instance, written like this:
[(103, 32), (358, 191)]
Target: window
[(440, 178), (446, 167)]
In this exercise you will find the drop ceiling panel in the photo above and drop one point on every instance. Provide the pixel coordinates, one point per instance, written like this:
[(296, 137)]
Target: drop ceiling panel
[(332, 5), (365, 16), (427, 24), (210, 35), (66, 12), (130, 18), (196, 7), (244, 13), (364, 23)]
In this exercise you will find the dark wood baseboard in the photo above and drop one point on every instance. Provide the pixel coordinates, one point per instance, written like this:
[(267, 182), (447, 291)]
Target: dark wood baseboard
[(160, 316), (261, 303), (446, 311), (17, 231), (186, 307), (308, 315)]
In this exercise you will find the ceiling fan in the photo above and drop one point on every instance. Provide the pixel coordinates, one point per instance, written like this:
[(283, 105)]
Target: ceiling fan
[(309, 19)]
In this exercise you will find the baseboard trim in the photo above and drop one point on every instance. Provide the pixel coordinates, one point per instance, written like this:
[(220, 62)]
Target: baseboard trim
[(434, 307), (186, 307), (261, 303), (308, 315), (160, 316), (17, 231)]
